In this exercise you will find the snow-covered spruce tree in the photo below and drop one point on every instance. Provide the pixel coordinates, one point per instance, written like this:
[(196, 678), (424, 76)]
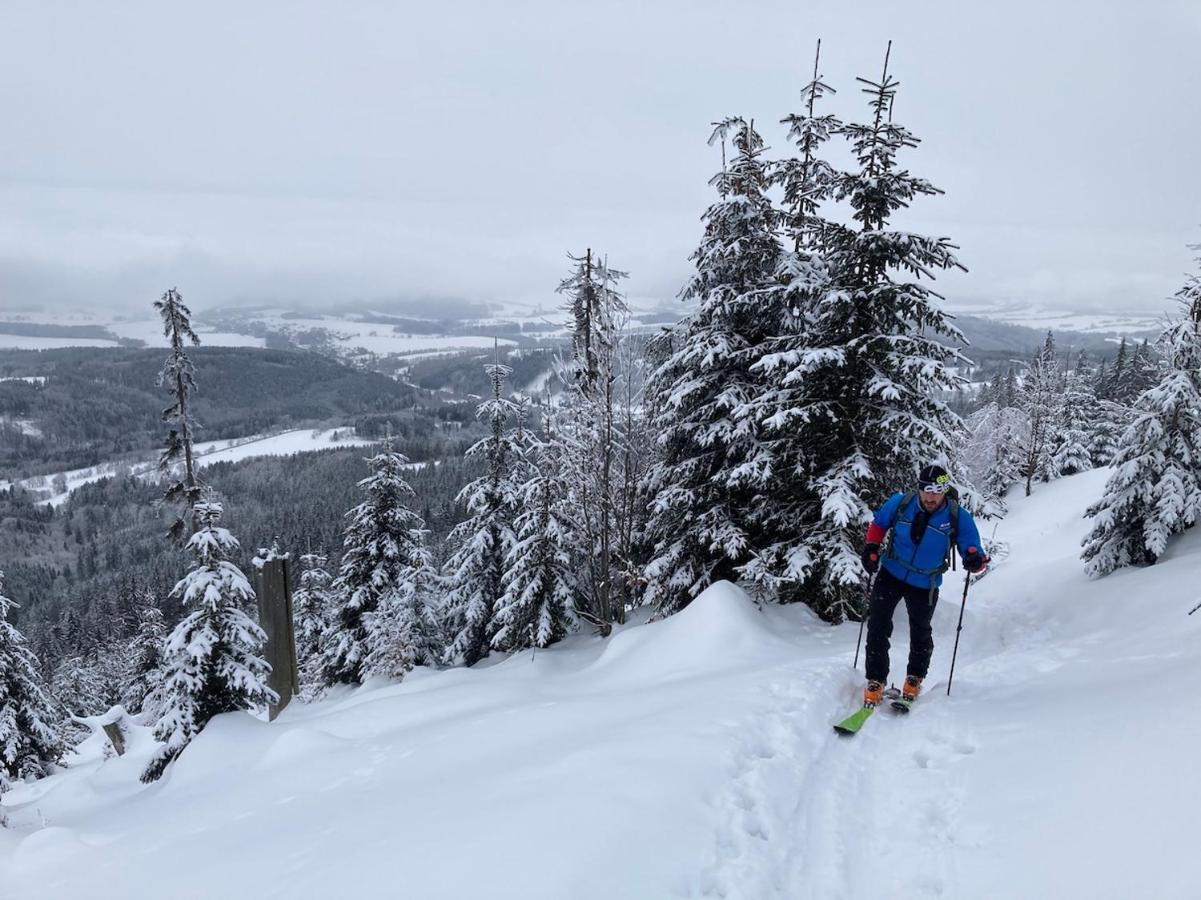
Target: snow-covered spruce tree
[(178, 377), (405, 630), (537, 606), (710, 451), (382, 545), (311, 605), (1154, 491), (1106, 425), (29, 740), (144, 688), (212, 661), (1070, 452), (878, 359), (992, 454), (782, 468), (77, 686), (1041, 399), (595, 435), (474, 573)]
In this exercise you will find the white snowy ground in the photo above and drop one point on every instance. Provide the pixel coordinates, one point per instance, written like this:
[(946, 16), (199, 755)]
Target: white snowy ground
[(694, 758), (284, 443)]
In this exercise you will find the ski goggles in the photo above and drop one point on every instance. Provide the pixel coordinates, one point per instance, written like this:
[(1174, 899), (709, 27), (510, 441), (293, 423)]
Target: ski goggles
[(940, 486)]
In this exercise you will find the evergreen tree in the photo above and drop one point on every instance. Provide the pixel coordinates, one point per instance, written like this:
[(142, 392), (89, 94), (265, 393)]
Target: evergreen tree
[(1040, 399), (709, 439), (992, 454), (1071, 452), (1108, 422), (77, 685), (782, 469), (404, 630), (212, 661), (599, 455), (1121, 388), (878, 358), (311, 610), (1144, 371), (484, 540), (178, 377), (29, 741), (144, 688), (382, 546), (537, 606), (1154, 491)]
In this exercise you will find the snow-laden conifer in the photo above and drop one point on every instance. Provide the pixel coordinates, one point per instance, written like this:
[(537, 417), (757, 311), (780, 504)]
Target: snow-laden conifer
[(710, 452), (178, 378), (597, 438), (382, 546), (878, 357), (1041, 399), (781, 476), (992, 454), (311, 610), (29, 739), (482, 542), (1071, 451), (537, 606), (212, 662), (405, 629), (1154, 490), (144, 686)]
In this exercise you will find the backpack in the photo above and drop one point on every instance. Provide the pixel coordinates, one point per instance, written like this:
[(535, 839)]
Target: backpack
[(953, 535)]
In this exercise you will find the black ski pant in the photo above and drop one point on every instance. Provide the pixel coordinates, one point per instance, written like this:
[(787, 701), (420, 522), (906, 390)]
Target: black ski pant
[(919, 603)]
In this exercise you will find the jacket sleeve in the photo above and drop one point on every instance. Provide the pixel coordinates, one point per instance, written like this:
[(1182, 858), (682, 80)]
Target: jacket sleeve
[(883, 519), (969, 535)]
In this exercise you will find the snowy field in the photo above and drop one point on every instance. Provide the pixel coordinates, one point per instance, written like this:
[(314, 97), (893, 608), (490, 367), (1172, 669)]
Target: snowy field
[(206, 453), (694, 758), (1043, 318)]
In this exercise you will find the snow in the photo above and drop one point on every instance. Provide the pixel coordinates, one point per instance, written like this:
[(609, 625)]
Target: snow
[(150, 332), (28, 379), (206, 453), (25, 342), (693, 757)]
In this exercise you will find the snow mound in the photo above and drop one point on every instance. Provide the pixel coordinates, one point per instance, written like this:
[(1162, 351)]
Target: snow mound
[(50, 847), (298, 744), (719, 630)]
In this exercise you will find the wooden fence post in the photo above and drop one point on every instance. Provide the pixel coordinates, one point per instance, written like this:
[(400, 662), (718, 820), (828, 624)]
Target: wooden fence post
[(275, 616)]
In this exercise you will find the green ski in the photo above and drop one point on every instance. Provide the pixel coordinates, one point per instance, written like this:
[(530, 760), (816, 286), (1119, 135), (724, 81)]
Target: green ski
[(852, 723)]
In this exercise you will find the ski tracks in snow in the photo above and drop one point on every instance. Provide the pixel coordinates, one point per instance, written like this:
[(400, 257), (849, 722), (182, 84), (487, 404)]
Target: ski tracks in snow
[(811, 815)]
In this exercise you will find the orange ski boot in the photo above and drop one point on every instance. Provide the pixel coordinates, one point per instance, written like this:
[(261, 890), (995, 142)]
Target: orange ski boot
[(873, 693)]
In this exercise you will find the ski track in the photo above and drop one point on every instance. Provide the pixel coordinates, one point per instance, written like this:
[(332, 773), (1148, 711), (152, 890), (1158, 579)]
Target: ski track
[(811, 815)]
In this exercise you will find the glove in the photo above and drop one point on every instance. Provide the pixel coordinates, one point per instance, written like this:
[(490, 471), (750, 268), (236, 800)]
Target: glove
[(871, 558), (974, 561)]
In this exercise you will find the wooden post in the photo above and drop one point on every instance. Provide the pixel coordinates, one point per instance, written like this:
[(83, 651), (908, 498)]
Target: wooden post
[(112, 731), (275, 616)]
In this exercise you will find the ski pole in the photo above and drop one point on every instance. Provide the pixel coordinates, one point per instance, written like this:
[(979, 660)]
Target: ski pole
[(867, 605), (967, 580)]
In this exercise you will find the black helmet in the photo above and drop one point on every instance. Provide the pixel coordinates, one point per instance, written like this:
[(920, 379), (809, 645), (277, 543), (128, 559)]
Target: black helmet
[(934, 478)]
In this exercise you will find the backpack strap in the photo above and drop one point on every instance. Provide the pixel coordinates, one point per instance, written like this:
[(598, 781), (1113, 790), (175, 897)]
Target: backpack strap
[(953, 535)]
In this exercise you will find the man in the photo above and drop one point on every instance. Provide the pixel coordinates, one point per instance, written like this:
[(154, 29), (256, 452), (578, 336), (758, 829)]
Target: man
[(924, 523)]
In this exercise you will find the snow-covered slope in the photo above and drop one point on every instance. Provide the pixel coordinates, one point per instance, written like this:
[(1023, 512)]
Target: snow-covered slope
[(694, 758), (284, 443)]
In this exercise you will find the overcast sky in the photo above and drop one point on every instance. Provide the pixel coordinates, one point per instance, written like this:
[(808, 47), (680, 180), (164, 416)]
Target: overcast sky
[(376, 152)]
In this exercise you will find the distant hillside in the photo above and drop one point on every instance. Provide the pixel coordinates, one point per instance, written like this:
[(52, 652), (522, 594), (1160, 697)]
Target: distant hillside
[(99, 403), (989, 335)]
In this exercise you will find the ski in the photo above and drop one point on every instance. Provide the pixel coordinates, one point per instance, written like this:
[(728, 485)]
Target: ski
[(902, 705), (852, 723)]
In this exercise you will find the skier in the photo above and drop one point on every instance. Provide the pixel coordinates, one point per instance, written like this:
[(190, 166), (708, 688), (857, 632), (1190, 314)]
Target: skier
[(926, 524)]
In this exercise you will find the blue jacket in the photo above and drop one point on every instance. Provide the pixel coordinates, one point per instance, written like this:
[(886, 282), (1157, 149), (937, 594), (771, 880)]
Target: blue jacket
[(916, 565)]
